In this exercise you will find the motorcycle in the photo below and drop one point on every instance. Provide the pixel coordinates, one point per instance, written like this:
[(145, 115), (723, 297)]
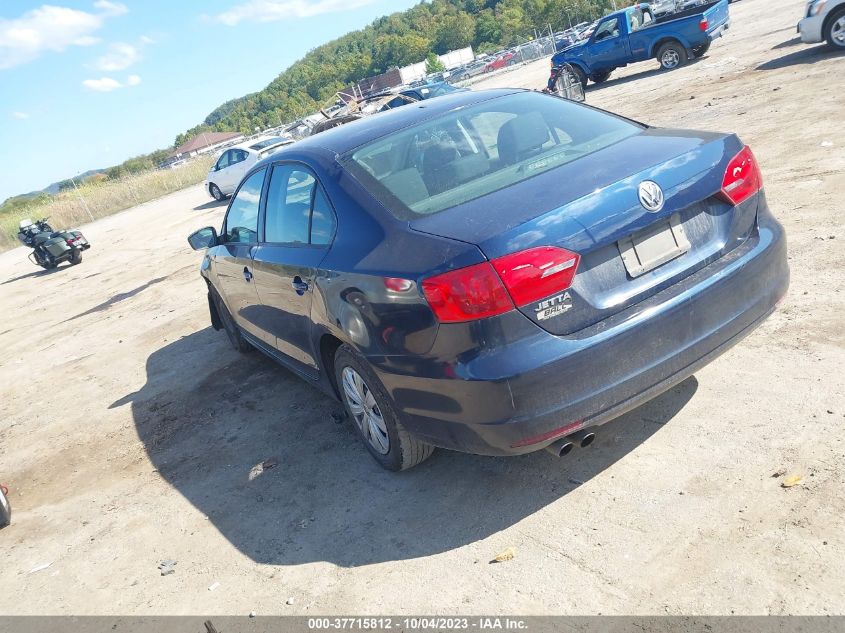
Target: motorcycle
[(5, 507), (50, 248)]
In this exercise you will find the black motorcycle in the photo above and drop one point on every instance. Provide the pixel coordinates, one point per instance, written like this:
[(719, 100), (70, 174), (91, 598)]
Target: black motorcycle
[(50, 248), (5, 507)]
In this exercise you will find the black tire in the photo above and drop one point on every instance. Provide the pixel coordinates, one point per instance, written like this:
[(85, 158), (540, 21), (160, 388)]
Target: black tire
[(75, 258), (232, 330), (701, 51), (671, 56), (405, 451), (49, 265), (600, 78), (580, 75), (215, 192), (5, 509), (834, 30)]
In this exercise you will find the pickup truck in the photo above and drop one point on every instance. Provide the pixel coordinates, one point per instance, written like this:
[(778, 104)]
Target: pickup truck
[(634, 34)]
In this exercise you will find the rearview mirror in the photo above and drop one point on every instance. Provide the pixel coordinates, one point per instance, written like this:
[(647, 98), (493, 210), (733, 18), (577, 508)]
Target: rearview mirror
[(204, 238)]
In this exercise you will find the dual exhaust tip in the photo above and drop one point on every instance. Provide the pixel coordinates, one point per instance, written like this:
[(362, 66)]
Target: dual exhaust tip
[(564, 445)]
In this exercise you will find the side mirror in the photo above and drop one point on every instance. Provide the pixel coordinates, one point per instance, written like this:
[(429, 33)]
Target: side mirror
[(204, 238)]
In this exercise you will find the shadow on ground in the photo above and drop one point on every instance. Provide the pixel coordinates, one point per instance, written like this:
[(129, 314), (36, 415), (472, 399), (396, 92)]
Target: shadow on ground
[(208, 416), (809, 55), (35, 273), (211, 204)]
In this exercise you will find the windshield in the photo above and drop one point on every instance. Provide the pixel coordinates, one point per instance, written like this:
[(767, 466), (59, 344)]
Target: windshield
[(472, 152)]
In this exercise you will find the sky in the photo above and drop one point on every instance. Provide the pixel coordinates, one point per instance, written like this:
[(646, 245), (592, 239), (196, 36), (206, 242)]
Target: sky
[(86, 84)]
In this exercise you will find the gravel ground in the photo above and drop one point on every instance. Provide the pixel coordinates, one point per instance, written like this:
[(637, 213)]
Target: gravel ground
[(132, 434)]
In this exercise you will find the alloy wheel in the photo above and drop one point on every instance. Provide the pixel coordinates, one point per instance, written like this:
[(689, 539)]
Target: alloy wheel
[(670, 59), (837, 32), (365, 411)]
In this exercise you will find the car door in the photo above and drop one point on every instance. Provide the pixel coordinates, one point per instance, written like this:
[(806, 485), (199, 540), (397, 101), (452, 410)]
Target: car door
[(232, 259), (218, 175), (607, 49), (299, 225)]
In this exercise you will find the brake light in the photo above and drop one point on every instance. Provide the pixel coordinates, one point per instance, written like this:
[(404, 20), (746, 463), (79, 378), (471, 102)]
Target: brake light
[(536, 273), (742, 178), (396, 284), (704, 24), (495, 287), (466, 294)]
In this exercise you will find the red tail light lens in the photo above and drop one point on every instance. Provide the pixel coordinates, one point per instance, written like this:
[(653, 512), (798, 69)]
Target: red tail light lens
[(493, 288), (742, 178), (704, 24), (536, 273), (467, 294)]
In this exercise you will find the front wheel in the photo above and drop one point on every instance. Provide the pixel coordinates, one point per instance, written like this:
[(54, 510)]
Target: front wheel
[(580, 75), (835, 34), (671, 56), (374, 415), (600, 78)]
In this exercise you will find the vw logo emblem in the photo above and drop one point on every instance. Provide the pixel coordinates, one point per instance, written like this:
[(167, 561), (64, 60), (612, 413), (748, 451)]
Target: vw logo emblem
[(651, 196)]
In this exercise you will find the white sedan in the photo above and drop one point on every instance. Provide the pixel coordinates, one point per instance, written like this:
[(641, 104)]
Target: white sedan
[(230, 168), (825, 20)]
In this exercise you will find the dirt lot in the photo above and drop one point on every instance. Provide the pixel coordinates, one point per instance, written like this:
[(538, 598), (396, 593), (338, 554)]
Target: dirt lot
[(130, 430)]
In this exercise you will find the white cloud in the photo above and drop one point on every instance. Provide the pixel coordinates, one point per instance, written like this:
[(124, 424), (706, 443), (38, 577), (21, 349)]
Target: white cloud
[(104, 84), (20, 115), (51, 28), (272, 10), (147, 40), (119, 57), (107, 84), (111, 8)]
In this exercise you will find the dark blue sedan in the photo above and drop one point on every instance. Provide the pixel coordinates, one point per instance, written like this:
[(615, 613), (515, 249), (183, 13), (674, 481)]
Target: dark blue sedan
[(495, 272)]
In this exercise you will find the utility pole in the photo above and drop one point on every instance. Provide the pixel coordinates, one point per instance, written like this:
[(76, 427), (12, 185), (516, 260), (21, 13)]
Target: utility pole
[(82, 199)]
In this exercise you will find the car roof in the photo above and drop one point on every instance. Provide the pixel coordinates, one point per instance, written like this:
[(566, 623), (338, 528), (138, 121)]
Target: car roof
[(346, 137), (248, 144)]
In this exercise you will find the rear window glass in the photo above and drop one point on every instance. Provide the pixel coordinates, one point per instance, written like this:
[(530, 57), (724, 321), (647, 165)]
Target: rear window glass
[(267, 143), (467, 154)]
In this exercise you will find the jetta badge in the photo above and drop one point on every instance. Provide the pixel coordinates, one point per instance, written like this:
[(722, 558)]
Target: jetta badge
[(651, 196)]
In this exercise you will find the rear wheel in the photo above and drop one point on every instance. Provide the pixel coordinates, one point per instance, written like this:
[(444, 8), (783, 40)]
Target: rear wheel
[(75, 258), (232, 330), (671, 55), (215, 192), (835, 32), (374, 415)]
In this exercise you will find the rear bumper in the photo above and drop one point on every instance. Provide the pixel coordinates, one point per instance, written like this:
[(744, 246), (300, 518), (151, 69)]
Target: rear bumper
[(810, 29), (719, 31), (531, 384)]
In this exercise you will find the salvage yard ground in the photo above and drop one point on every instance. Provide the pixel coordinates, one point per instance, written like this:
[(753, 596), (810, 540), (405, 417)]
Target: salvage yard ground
[(130, 432)]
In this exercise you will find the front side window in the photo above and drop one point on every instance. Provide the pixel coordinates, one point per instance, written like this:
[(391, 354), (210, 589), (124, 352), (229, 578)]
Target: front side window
[(298, 211), (474, 151), (242, 219), (608, 29), (223, 162)]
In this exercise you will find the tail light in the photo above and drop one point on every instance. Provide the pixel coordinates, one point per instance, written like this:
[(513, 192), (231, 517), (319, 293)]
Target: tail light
[(495, 287), (536, 273), (466, 294), (742, 178), (704, 24)]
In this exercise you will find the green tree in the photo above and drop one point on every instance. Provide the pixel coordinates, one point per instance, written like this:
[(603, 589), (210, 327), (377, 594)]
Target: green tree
[(433, 64)]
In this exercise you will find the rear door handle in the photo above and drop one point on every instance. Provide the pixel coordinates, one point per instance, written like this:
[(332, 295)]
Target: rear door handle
[(247, 274), (300, 286)]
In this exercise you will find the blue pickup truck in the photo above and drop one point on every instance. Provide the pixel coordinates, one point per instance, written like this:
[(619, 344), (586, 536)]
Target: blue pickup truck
[(635, 34)]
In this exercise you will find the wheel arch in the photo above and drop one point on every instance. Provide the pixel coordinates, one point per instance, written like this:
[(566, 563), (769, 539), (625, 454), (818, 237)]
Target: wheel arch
[(834, 13), (328, 346), (669, 39)]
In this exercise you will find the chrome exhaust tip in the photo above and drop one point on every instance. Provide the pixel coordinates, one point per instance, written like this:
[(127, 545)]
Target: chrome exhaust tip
[(561, 447), (582, 438)]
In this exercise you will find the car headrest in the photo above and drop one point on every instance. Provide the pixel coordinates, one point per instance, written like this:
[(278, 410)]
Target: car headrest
[(520, 136)]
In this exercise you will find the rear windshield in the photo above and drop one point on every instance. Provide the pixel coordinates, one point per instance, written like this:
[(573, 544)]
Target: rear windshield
[(469, 153), (268, 143)]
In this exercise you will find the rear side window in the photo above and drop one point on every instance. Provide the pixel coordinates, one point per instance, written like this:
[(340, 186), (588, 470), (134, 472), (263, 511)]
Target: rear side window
[(298, 211), (242, 218), (470, 153)]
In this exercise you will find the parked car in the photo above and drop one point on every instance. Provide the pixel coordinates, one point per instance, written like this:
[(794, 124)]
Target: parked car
[(226, 174), (420, 93), (470, 70), (498, 272), (824, 21), (499, 62), (635, 34)]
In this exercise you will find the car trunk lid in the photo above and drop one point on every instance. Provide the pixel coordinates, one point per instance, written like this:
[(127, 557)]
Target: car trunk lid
[(592, 207)]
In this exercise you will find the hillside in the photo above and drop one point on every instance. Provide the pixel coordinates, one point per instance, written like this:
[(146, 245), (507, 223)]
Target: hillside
[(395, 40)]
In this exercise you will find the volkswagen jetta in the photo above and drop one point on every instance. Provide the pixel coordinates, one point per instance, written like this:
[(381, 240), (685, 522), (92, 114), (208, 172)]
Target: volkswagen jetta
[(494, 271)]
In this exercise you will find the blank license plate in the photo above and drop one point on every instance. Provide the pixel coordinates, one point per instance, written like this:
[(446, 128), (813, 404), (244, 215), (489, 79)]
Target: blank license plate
[(654, 246)]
